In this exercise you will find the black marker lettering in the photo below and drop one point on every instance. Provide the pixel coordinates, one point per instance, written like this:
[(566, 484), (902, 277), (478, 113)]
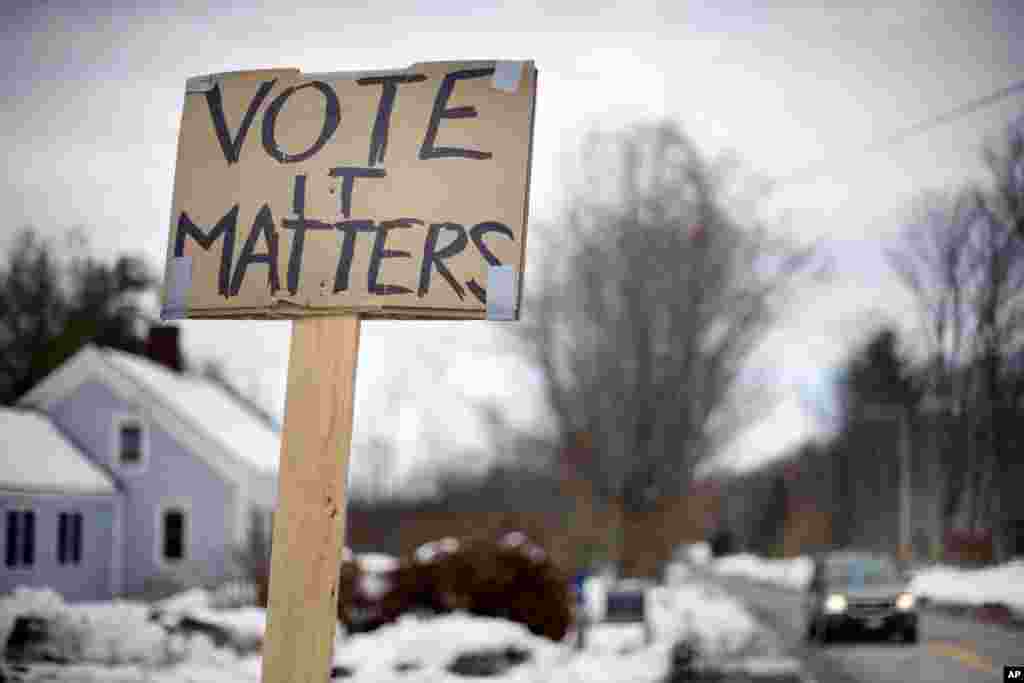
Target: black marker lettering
[(348, 245), (332, 116), (433, 257), (379, 137), (225, 226), (477, 233), (380, 253), (264, 223), (348, 175), (300, 225), (428, 150), (232, 147)]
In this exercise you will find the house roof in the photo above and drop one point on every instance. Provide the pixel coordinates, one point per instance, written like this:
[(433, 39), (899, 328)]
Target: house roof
[(36, 457), (206, 405)]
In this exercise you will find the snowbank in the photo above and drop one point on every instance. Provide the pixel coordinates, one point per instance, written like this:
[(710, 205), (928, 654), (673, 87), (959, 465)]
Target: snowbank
[(414, 649), (1002, 584), (243, 627), (104, 632), (430, 645), (194, 598), (43, 603), (697, 554), (793, 573), (719, 622)]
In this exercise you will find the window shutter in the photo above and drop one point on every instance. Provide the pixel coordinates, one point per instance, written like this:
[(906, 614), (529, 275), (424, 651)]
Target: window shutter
[(12, 539), (76, 546), (62, 538), (29, 548)]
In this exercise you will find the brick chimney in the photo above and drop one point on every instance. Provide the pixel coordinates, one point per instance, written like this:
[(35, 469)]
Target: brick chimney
[(162, 347)]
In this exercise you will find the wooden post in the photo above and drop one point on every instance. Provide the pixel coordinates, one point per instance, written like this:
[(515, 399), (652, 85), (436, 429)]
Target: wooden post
[(309, 524)]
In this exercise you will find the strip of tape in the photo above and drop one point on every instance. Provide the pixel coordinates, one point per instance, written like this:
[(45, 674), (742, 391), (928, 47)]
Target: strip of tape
[(506, 75), (501, 293), (201, 83), (179, 281)]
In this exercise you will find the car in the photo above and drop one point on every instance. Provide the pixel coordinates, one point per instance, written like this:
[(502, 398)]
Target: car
[(859, 590)]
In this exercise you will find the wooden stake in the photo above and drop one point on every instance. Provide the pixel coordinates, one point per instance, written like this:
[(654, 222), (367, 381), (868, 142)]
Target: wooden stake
[(309, 524)]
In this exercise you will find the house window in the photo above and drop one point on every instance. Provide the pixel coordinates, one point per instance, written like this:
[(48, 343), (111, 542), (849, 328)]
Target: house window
[(21, 538), (69, 538), (129, 442), (174, 534)]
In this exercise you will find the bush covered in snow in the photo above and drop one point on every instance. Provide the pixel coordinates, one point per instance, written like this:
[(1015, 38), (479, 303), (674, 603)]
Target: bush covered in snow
[(511, 579)]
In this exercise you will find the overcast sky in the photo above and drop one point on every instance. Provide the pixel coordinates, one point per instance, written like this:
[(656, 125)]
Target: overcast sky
[(93, 103)]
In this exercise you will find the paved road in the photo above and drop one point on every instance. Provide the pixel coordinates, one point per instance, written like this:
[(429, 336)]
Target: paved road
[(957, 650)]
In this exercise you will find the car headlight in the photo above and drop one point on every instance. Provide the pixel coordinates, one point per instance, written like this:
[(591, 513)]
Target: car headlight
[(905, 601), (835, 604)]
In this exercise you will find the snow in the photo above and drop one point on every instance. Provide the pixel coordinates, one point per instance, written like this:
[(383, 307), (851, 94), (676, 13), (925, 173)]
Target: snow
[(207, 405), (36, 457), (243, 625), (698, 554), (768, 666), (194, 598), (100, 632), (792, 573), (514, 539), (427, 552), (44, 603), (424, 646), (677, 573), (1001, 584), (377, 563), (375, 580), (595, 597), (432, 644), (720, 622)]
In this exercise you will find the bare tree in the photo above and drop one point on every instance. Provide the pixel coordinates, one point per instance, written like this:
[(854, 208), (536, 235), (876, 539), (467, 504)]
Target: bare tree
[(962, 258), (648, 307)]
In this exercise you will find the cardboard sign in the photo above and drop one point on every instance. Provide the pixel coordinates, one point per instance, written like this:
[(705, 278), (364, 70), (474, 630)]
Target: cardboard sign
[(395, 194)]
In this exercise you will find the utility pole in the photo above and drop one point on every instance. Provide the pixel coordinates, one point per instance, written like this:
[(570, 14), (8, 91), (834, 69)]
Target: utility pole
[(905, 552), (901, 414)]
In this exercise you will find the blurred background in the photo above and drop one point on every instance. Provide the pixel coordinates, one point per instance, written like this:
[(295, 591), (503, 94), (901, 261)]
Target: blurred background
[(772, 285)]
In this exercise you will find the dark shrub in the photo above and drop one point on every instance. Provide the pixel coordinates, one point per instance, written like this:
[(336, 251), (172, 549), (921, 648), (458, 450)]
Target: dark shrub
[(512, 579)]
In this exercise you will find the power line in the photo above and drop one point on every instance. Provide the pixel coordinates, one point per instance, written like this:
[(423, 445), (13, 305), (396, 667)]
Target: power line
[(814, 170)]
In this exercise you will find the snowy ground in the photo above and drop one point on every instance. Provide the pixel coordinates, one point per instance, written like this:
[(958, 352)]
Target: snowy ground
[(1003, 584), (793, 573), (113, 642)]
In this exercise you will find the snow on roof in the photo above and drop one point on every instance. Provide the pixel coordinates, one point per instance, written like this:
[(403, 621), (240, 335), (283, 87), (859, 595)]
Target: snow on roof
[(37, 457), (208, 406)]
